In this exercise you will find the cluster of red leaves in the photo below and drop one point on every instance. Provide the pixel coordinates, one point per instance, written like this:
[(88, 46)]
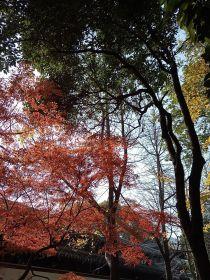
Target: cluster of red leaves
[(134, 255), (135, 225), (71, 276)]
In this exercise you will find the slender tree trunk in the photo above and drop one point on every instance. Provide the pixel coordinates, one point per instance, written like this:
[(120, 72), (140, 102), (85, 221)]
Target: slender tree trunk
[(28, 267), (114, 272), (164, 249), (30, 260), (113, 260), (25, 273), (113, 263), (168, 271), (165, 246)]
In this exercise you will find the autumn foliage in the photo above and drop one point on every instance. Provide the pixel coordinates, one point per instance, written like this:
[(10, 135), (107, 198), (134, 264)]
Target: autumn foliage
[(51, 170), (71, 276)]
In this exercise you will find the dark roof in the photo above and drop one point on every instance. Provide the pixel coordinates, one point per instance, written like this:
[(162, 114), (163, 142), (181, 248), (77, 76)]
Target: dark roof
[(82, 262), (50, 270)]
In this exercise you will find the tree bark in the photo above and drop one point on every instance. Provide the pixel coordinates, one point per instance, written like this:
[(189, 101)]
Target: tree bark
[(168, 271), (191, 262), (193, 229), (200, 255), (114, 273), (165, 251), (112, 239), (25, 273), (114, 267)]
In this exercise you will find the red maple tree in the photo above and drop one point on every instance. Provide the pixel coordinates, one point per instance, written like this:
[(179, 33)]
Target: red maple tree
[(50, 170)]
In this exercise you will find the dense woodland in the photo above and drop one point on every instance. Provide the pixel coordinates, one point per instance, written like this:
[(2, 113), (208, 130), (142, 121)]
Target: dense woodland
[(104, 131)]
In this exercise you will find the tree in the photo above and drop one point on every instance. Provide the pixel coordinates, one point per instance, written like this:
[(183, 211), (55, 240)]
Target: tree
[(159, 192), (193, 16)]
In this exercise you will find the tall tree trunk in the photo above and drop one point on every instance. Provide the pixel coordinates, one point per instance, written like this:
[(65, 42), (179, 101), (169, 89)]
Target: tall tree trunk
[(113, 259), (190, 259), (198, 248), (167, 259), (114, 270), (191, 224), (165, 251), (113, 263), (168, 271)]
